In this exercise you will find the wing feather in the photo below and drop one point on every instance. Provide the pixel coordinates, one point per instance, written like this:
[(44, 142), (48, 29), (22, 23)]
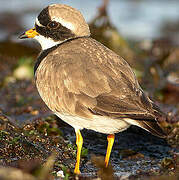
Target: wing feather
[(90, 79)]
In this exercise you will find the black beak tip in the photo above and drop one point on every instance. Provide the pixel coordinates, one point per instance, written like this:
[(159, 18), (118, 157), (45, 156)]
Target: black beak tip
[(22, 36)]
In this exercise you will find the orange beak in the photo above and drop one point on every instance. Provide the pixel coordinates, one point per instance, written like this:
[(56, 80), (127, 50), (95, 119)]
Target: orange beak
[(31, 33)]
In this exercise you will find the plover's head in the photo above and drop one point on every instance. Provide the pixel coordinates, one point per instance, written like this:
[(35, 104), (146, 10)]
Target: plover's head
[(56, 24)]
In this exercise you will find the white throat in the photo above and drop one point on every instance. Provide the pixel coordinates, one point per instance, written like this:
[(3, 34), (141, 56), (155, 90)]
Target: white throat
[(46, 43)]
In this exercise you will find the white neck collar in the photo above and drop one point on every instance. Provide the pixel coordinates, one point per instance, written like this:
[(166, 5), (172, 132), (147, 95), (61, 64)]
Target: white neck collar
[(46, 43)]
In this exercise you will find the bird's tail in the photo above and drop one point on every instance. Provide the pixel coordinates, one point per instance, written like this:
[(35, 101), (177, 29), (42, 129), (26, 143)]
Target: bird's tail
[(150, 125)]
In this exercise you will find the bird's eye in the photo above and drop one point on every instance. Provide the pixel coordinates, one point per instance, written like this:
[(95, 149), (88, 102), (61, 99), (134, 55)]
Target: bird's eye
[(52, 25)]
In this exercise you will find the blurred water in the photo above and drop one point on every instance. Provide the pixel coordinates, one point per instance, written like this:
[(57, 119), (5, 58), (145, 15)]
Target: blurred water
[(136, 19)]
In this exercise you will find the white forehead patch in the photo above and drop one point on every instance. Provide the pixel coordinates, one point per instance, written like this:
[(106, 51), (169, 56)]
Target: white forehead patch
[(64, 23), (38, 23)]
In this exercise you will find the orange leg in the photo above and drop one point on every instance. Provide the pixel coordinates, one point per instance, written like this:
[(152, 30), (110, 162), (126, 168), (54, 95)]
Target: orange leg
[(110, 139), (79, 143)]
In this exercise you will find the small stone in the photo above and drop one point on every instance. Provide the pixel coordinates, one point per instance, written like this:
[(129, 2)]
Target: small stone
[(60, 174)]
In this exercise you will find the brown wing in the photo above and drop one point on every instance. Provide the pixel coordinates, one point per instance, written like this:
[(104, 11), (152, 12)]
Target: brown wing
[(88, 79)]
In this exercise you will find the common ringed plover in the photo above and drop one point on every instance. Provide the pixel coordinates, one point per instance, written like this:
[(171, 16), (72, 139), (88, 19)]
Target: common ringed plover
[(84, 83)]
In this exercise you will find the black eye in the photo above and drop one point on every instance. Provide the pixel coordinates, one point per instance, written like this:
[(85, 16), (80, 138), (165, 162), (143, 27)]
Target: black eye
[(52, 25)]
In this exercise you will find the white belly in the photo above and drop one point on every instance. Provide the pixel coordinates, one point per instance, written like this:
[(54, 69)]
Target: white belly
[(97, 123)]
